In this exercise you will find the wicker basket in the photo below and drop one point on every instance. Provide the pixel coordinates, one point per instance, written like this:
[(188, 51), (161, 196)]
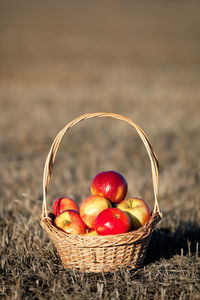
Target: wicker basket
[(100, 253)]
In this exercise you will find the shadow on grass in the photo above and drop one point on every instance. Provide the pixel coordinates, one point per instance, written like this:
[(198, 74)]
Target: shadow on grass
[(184, 240)]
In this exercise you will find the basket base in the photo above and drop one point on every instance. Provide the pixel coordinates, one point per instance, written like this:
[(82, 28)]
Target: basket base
[(105, 259), (98, 268)]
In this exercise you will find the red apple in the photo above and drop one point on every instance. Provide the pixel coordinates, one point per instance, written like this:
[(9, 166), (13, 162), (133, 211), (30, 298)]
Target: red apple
[(70, 222), (112, 221), (138, 210), (91, 207), (111, 185), (64, 203)]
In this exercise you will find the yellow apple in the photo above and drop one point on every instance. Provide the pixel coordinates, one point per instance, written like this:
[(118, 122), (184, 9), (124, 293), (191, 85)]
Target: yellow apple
[(137, 209)]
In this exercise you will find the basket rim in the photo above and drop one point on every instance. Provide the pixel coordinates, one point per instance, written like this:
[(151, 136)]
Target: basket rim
[(104, 240)]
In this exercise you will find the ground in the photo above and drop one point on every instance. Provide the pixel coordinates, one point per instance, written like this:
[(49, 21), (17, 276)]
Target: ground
[(59, 60)]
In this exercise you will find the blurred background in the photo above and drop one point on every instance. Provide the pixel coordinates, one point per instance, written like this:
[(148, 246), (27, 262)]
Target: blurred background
[(61, 59)]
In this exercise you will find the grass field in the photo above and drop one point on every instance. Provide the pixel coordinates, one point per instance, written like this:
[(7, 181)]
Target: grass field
[(139, 59)]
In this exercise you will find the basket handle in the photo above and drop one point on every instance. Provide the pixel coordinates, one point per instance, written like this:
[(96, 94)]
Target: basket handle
[(54, 148)]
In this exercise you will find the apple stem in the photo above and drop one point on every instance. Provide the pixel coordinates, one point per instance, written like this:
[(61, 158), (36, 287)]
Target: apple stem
[(67, 222), (130, 204)]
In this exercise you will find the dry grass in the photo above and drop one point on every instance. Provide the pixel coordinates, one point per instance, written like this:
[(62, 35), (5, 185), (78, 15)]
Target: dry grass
[(140, 60)]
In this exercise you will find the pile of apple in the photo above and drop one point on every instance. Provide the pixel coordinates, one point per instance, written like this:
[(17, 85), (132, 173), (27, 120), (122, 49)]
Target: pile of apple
[(106, 212)]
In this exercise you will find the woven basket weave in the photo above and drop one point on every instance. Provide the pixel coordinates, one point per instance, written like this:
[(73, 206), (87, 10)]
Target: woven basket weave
[(100, 253)]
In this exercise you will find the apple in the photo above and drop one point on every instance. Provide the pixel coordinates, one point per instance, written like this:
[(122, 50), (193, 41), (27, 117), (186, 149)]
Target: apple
[(70, 222), (91, 207), (64, 203), (111, 185), (112, 221), (138, 210), (92, 232)]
